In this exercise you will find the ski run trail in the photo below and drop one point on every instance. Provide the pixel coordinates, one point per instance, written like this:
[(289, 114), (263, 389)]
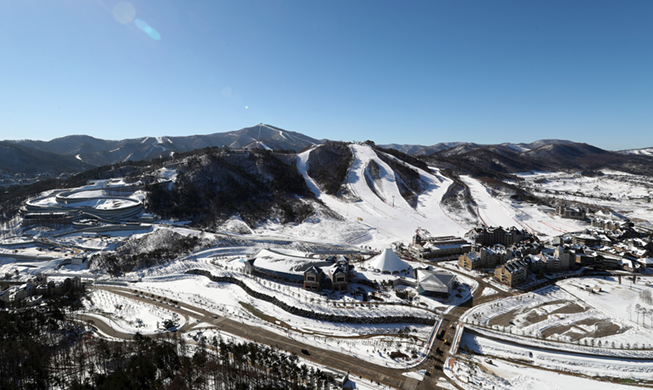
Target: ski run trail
[(388, 218), (494, 211), (387, 214)]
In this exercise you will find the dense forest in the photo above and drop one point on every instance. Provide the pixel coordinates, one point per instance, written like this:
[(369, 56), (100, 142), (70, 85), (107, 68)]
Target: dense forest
[(328, 165), (46, 349), (214, 185)]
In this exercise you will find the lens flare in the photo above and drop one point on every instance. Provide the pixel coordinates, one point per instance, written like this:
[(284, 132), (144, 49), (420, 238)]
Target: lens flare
[(227, 92), (141, 24), (124, 12)]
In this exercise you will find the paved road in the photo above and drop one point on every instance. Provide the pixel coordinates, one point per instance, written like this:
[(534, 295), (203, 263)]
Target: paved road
[(440, 350), (385, 375), (345, 363)]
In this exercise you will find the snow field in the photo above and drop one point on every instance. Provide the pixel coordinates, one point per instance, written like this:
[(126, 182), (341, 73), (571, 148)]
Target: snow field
[(621, 192), (571, 323), (129, 315), (497, 211), (564, 361), (489, 291), (624, 301), (387, 214), (473, 372), (209, 332), (359, 340)]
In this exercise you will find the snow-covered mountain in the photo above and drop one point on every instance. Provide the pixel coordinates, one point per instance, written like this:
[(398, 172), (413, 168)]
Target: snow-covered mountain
[(451, 148), (639, 152), (96, 152), (80, 152), (19, 159)]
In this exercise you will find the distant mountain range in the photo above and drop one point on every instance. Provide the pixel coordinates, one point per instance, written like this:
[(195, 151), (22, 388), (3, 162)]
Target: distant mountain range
[(19, 159), (77, 153), (544, 155), (641, 152), (80, 152), (454, 148)]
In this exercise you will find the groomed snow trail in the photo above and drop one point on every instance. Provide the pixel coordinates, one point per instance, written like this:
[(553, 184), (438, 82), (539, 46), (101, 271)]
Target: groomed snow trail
[(499, 212), (391, 217)]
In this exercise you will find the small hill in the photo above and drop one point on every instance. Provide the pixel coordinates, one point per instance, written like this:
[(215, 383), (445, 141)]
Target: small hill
[(214, 184)]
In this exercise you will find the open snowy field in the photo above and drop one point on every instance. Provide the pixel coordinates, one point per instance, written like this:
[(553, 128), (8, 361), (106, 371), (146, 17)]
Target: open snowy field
[(370, 342), (472, 372), (629, 302), (129, 315), (570, 318), (564, 328), (626, 194), (595, 366)]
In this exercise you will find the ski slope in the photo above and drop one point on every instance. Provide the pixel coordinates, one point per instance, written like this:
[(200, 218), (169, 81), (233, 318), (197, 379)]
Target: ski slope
[(491, 212), (388, 215), (495, 211)]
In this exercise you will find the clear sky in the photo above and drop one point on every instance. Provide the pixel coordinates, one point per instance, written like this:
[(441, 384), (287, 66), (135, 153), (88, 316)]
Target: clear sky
[(415, 72)]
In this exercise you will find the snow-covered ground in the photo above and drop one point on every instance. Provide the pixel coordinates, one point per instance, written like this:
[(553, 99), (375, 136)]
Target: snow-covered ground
[(558, 328), (496, 209), (370, 342), (382, 211), (625, 300), (473, 372), (129, 315), (564, 328), (570, 318), (626, 194), (596, 366)]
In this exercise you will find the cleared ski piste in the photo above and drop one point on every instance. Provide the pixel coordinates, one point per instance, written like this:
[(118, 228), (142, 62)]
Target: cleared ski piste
[(500, 211), (387, 216)]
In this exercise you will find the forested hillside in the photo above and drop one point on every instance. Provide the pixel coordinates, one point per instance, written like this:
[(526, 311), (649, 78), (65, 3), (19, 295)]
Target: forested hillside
[(328, 165), (215, 184), (49, 350)]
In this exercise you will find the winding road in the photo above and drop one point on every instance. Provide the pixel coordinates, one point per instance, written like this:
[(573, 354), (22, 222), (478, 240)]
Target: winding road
[(392, 377)]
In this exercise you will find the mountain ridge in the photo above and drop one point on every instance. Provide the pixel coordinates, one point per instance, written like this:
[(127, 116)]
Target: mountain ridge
[(97, 152), (76, 153)]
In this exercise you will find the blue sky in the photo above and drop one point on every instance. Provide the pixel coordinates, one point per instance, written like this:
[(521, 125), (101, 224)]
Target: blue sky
[(416, 72)]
